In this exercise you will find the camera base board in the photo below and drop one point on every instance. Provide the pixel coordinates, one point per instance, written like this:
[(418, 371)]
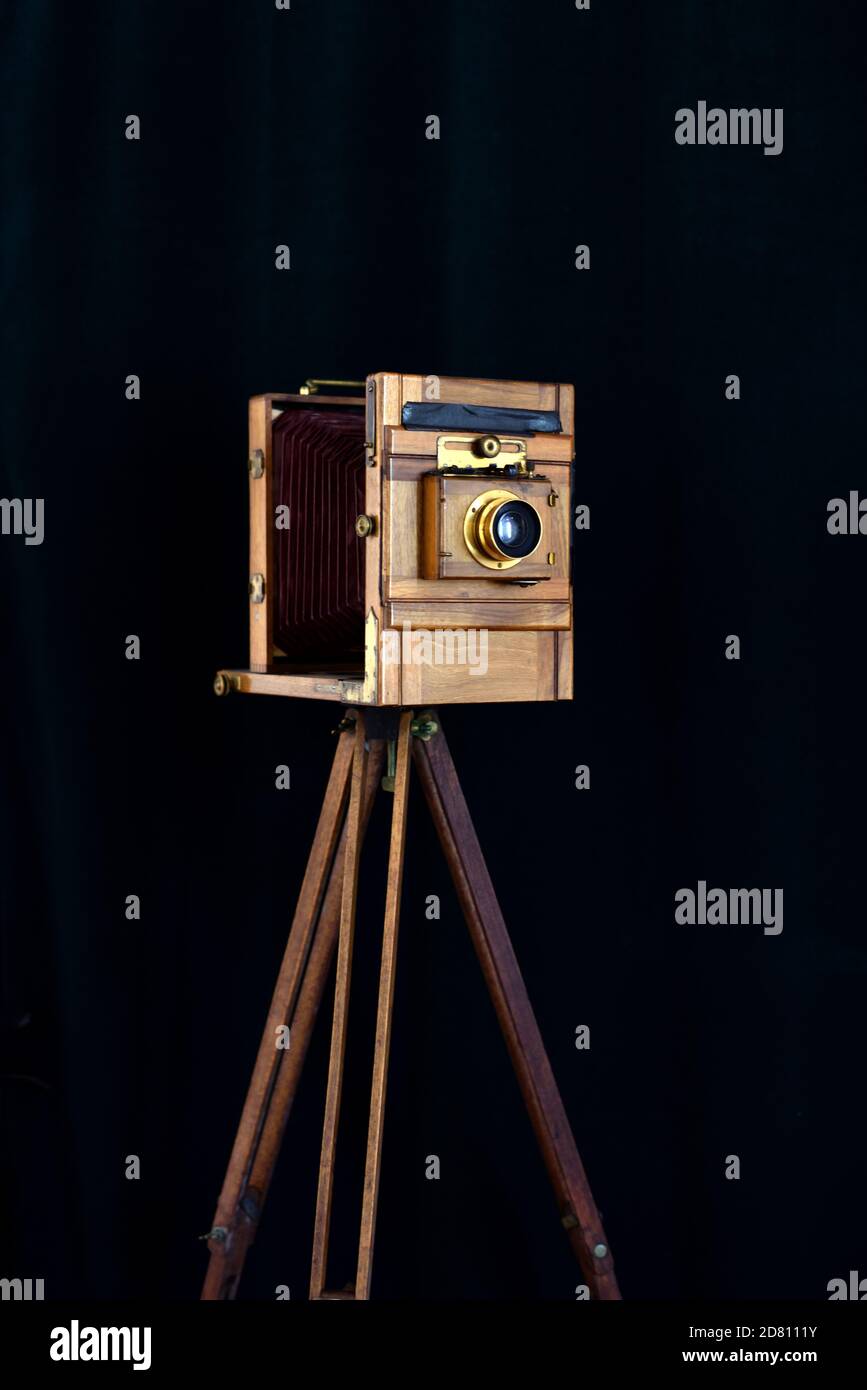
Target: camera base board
[(446, 666)]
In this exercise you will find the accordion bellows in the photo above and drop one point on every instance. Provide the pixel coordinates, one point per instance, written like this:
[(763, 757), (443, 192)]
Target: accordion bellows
[(318, 470)]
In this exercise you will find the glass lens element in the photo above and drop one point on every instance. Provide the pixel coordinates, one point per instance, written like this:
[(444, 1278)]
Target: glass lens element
[(517, 529)]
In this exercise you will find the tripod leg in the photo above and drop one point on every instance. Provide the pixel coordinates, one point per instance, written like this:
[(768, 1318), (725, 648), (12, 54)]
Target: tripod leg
[(341, 1015), (514, 1011), (296, 998), (309, 997), (227, 1271), (384, 1011)]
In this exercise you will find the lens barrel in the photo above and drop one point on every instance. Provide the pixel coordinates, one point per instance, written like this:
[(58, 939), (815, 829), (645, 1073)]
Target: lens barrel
[(501, 529)]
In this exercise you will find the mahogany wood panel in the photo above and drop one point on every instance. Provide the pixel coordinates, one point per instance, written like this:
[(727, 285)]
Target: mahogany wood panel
[(564, 665), (444, 549), (497, 613), (402, 545), (566, 397), (520, 666), (462, 590), (516, 395)]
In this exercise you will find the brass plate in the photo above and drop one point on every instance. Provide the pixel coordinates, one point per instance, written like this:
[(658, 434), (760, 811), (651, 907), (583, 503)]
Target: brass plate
[(460, 450)]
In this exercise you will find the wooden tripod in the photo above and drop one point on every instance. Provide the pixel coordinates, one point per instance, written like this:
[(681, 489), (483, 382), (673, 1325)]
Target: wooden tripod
[(325, 918)]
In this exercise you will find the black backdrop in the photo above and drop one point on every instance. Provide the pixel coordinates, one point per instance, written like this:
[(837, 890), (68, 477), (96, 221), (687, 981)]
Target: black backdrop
[(156, 257)]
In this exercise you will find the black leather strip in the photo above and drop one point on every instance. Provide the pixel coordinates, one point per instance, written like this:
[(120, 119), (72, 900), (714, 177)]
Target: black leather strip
[(450, 415)]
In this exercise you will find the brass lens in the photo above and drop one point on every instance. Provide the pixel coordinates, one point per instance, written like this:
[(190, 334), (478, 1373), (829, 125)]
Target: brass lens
[(501, 529)]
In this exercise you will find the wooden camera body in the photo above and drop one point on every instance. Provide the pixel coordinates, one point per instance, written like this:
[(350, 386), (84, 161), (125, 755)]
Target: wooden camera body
[(410, 542)]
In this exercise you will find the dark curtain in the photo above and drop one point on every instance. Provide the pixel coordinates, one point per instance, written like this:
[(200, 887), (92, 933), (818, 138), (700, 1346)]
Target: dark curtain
[(156, 258)]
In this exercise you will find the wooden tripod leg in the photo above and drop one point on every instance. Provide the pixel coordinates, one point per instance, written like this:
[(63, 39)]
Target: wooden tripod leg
[(343, 976), (296, 998), (384, 1011), (509, 995), (309, 997)]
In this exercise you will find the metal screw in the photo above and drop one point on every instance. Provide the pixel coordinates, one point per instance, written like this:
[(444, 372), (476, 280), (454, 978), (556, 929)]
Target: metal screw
[(219, 1233), (600, 1251)]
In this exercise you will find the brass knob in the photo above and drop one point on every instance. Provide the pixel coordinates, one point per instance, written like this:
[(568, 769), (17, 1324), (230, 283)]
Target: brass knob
[(223, 684), (488, 446), (364, 525)]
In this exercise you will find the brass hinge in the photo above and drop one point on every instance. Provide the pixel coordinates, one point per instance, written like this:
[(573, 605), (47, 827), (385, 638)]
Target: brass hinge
[(256, 463), (257, 588)]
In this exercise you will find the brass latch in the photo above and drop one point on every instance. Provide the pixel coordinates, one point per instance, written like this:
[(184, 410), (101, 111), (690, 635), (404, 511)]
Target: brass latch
[(257, 588)]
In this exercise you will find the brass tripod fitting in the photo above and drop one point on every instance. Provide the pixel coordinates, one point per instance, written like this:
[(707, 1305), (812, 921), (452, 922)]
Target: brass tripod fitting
[(424, 726)]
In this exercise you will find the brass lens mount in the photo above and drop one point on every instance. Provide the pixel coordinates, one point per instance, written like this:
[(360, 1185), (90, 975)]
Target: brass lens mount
[(480, 529)]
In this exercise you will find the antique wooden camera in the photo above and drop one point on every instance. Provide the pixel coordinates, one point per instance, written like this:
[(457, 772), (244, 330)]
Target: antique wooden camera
[(410, 542), (409, 546)]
